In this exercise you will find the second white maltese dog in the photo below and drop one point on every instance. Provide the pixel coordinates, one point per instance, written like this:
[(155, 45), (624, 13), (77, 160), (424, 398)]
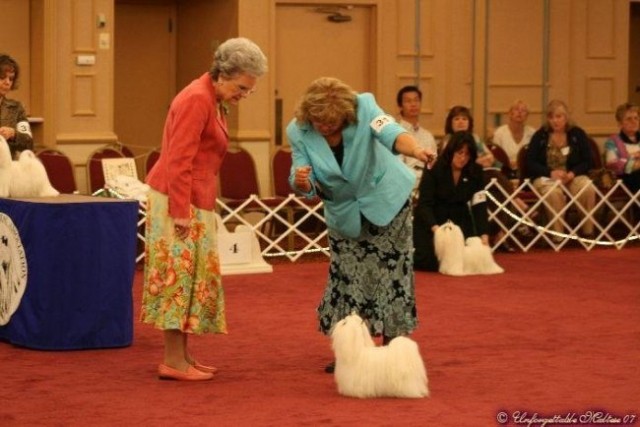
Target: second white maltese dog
[(25, 177), (459, 258), (365, 370)]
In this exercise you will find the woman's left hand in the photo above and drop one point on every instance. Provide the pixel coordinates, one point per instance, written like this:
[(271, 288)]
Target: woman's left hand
[(485, 239)]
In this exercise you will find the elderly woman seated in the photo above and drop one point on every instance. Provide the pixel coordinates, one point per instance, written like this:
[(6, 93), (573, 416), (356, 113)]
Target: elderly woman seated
[(622, 150)]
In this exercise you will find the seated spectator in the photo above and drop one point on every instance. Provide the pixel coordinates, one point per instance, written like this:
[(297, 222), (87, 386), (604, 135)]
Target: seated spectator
[(460, 119), (559, 151), (452, 190), (409, 101), (14, 125), (515, 134), (622, 150)]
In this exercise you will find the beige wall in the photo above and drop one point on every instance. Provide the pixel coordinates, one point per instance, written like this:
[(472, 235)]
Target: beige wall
[(480, 53)]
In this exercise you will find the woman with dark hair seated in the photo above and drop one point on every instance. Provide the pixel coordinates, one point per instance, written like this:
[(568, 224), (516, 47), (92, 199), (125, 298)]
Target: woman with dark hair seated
[(452, 190), (460, 119), (14, 125)]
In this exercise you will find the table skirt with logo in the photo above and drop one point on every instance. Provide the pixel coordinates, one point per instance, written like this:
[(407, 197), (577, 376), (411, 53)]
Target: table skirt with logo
[(67, 266)]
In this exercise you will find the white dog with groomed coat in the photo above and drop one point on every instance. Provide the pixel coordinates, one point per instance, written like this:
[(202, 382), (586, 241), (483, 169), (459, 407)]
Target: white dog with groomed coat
[(25, 177), (365, 370), (458, 257)]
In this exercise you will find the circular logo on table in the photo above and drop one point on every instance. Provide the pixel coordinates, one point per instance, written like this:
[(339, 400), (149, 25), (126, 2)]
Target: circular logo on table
[(13, 269)]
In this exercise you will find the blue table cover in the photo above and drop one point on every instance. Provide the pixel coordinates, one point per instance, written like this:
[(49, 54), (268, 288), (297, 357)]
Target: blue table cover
[(80, 254)]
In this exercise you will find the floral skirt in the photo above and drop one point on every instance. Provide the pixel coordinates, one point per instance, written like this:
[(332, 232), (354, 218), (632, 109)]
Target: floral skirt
[(182, 281), (372, 276)]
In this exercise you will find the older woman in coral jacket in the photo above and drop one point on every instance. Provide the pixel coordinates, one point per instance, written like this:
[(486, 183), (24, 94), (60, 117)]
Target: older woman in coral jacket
[(182, 293)]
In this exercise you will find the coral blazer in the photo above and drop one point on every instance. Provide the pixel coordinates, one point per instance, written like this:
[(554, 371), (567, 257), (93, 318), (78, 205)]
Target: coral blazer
[(194, 143), (372, 180)]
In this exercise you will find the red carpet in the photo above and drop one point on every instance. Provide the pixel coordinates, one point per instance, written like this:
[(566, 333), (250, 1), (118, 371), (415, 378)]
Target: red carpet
[(558, 334)]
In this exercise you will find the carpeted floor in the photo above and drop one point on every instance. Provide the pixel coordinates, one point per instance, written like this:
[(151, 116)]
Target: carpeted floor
[(557, 335)]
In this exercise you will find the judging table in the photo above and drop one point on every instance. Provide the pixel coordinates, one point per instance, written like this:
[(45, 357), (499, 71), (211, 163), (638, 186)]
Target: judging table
[(79, 254)]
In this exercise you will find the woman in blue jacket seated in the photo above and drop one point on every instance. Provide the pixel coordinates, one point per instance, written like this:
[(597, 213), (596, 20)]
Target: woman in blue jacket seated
[(344, 150), (453, 190)]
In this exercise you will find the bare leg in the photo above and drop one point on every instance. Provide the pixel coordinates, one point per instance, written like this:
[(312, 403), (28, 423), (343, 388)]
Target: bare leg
[(187, 354), (175, 350)]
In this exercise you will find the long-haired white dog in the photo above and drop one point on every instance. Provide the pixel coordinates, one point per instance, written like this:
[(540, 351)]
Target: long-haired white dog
[(459, 258), (366, 370), (25, 177)]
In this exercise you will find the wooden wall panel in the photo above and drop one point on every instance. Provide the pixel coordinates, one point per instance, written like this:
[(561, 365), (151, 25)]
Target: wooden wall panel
[(588, 56), (600, 29), (15, 41), (515, 63), (598, 49), (83, 95), (83, 27)]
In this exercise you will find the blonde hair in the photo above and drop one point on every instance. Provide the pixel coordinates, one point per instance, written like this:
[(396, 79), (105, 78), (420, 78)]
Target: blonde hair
[(554, 106), (518, 102), (327, 100)]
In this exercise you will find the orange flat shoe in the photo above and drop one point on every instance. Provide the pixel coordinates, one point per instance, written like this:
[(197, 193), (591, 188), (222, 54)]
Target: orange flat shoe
[(204, 368), (192, 374)]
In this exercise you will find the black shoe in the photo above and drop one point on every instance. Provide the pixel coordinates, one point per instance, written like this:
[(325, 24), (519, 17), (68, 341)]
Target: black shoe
[(506, 247), (330, 368)]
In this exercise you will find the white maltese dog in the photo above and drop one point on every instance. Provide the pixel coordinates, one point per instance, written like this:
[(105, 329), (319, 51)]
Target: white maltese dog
[(459, 258), (25, 177), (366, 370)]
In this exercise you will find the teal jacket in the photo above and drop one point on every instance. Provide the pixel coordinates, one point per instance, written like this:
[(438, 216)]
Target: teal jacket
[(371, 181)]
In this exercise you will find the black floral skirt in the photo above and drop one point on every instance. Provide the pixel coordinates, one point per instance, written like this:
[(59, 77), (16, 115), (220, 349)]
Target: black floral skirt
[(373, 277)]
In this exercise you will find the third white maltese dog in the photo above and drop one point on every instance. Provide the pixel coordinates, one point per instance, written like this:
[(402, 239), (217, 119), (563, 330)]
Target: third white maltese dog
[(459, 258), (25, 177), (365, 370)]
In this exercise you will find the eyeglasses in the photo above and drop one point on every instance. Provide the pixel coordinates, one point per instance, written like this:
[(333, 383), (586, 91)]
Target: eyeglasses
[(245, 91)]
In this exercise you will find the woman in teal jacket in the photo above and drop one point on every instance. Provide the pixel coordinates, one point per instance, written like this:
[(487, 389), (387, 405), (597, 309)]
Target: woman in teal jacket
[(344, 151)]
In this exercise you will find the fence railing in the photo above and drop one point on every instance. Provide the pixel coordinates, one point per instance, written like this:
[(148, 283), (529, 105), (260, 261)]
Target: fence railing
[(615, 216), (282, 232), (293, 226)]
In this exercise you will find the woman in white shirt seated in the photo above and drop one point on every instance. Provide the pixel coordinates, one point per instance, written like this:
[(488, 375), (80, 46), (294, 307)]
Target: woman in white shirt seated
[(515, 134)]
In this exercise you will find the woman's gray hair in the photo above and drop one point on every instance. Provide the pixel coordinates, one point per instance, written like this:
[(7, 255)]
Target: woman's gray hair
[(238, 56)]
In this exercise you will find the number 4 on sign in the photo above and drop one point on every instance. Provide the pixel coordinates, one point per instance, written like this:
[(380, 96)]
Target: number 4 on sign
[(235, 248), (239, 251)]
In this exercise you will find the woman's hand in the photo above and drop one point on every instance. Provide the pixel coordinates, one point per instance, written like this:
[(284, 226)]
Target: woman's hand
[(301, 179), (568, 177), (426, 156), (406, 144), (486, 160), (7, 132), (485, 239), (181, 227)]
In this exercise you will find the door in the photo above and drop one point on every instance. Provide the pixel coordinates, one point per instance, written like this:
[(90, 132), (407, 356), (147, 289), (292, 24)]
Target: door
[(314, 41), (144, 49), (634, 48)]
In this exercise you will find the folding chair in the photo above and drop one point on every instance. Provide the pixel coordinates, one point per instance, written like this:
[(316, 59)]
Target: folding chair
[(95, 172), (59, 169)]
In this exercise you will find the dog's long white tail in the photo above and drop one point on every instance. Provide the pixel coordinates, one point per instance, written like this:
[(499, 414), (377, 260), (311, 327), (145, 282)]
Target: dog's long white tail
[(410, 379)]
